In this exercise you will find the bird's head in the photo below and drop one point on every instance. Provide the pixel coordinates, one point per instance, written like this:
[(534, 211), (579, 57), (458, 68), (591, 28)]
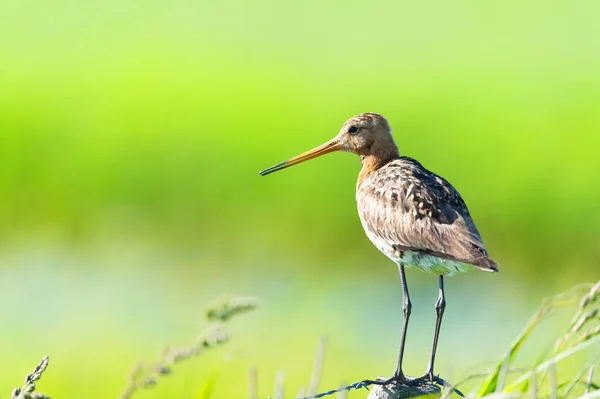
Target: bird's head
[(367, 135)]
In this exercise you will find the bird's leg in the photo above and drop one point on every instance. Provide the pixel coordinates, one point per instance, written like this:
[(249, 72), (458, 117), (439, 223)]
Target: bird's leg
[(406, 307), (440, 305)]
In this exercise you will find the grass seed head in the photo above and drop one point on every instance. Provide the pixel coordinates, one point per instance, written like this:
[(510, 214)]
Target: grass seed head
[(587, 316), (591, 296), (226, 307), (27, 391)]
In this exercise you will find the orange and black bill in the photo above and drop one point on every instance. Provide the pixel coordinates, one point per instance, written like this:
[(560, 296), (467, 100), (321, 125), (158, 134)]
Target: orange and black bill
[(330, 146)]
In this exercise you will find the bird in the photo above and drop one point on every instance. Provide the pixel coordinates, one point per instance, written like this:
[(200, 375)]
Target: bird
[(412, 215)]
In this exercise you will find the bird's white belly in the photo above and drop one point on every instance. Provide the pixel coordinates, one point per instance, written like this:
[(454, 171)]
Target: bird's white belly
[(417, 260)]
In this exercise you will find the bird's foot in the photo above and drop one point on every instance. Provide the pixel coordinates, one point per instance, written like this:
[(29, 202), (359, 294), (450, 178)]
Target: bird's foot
[(395, 379), (401, 379), (430, 378)]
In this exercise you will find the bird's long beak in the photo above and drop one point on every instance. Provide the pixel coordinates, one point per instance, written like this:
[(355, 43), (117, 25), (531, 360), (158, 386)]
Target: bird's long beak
[(330, 146)]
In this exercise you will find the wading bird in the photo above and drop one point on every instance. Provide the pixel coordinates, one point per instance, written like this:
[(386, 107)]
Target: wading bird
[(415, 217)]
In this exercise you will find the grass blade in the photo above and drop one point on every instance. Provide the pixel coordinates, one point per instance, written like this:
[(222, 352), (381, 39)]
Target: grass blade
[(592, 395), (588, 384), (573, 383), (491, 383), (253, 383), (279, 378), (554, 360), (206, 389), (315, 376)]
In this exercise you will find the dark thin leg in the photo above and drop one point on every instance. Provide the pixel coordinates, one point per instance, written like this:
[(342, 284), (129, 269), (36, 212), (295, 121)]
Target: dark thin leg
[(406, 307), (440, 305)]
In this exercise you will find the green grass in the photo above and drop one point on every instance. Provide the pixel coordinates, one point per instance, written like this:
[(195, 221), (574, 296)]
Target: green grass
[(542, 379)]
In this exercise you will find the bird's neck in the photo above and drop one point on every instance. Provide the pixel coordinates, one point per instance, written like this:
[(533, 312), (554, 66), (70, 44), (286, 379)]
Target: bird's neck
[(377, 158)]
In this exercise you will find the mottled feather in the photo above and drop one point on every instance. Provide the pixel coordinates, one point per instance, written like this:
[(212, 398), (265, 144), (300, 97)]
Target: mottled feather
[(414, 210)]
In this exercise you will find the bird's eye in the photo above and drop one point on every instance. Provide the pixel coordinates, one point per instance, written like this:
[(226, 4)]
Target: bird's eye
[(353, 129)]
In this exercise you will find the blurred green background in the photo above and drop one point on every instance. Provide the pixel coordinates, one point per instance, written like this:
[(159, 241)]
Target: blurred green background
[(131, 134)]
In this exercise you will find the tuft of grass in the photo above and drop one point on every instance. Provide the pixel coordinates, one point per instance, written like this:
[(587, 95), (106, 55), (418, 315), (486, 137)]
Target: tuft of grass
[(27, 390), (582, 332), (540, 380), (146, 375)]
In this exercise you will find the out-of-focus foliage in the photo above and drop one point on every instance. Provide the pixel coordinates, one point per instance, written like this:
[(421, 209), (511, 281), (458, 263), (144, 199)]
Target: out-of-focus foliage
[(131, 134)]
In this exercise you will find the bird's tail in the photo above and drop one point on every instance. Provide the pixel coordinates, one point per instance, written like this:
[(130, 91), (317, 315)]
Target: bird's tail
[(487, 265)]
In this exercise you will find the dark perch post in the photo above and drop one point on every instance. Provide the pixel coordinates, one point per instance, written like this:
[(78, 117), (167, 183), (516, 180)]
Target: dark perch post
[(395, 390)]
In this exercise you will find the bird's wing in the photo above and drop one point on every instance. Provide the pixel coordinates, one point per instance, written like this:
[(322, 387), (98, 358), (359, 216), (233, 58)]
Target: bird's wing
[(415, 209)]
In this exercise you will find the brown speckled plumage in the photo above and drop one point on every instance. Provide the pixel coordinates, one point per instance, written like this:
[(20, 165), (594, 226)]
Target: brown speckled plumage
[(417, 210)]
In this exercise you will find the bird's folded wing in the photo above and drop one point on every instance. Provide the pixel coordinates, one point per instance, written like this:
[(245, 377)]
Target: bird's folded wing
[(415, 209)]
